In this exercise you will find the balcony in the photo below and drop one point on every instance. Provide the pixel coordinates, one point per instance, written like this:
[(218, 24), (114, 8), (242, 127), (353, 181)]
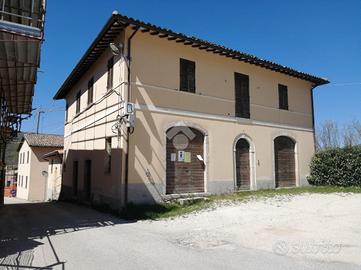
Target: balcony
[(21, 36)]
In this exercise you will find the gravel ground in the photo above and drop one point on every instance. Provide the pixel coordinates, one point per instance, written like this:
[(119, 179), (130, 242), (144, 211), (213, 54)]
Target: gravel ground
[(325, 227), (317, 231)]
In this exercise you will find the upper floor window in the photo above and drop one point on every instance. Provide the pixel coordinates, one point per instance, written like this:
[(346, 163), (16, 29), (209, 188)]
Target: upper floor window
[(90, 91), (242, 103), (283, 97), (66, 111), (187, 76), (27, 157), (78, 102), (110, 73), (64, 161)]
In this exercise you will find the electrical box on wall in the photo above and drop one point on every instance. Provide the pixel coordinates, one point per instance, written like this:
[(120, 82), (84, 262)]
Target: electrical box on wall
[(129, 114)]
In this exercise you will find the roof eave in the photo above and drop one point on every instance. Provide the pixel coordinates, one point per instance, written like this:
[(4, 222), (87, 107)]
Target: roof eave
[(155, 30), (62, 90)]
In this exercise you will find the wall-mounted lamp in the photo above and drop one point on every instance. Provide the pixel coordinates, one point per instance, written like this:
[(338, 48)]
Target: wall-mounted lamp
[(116, 48)]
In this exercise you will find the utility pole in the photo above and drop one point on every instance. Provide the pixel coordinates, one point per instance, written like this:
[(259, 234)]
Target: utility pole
[(38, 124)]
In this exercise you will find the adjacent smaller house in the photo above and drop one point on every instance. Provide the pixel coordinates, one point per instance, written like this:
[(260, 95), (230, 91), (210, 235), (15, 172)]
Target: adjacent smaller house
[(55, 161), (33, 168), (10, 180)]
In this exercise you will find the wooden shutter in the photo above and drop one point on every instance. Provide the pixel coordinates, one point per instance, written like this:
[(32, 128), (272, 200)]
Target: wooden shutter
[(78, 102), (90, 91), (187, 76), (110, 73), (242, 108), (283, 97)]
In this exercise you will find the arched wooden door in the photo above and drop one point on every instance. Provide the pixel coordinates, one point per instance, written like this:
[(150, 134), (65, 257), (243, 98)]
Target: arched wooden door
[(285, 165), (185, 161), (243, 169)]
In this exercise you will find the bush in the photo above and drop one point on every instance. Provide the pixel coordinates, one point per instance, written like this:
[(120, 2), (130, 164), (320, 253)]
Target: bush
[(336, 166)]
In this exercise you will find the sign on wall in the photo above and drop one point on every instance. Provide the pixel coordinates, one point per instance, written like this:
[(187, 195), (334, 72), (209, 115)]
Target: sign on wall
[(181, 155)]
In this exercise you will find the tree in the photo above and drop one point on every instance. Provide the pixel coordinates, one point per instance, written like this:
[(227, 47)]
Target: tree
[(352, 133), (328, 135)]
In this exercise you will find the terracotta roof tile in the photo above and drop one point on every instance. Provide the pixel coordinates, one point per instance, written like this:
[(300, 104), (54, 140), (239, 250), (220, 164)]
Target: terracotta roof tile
[(44, 140)]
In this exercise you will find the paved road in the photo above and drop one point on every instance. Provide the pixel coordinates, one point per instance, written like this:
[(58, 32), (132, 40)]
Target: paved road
[(66, 236)]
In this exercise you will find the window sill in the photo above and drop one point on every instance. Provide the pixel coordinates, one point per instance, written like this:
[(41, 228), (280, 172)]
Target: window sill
[(242, 118), (89, 106), (188, 91), (77, 115)]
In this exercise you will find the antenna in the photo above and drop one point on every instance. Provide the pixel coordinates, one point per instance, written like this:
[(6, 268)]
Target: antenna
[(38, 123)]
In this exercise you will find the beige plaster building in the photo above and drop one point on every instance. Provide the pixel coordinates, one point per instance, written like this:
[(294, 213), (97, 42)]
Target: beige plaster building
[(208, 119), (54, 174), (32, 168)]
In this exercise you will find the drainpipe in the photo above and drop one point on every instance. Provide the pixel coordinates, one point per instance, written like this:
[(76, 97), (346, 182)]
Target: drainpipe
[(129, 98), (313, 118)]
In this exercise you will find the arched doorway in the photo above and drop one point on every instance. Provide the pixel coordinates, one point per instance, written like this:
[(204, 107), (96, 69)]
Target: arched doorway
[(285, 165), (185, 160), (243, 168)]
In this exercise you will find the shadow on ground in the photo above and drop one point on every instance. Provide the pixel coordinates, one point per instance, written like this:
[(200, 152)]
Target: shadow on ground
[(23, 227)]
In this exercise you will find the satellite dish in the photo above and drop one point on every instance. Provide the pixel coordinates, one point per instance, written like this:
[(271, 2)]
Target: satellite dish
[(116, 48)]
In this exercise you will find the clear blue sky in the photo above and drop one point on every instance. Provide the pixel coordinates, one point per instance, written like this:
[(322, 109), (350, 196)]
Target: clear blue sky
[(320, 37)]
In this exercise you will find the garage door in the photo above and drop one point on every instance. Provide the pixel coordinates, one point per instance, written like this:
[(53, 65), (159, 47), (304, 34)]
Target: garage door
[(242, 165), (185, 165), (285, 162)]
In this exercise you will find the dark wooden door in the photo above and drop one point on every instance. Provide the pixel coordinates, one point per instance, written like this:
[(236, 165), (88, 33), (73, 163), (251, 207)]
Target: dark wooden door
[(285, 171), (75, 178), (87, 179), (185, 176), (243, 172)]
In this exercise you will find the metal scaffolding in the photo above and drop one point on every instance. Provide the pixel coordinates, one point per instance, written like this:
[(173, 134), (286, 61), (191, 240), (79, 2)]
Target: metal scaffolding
[(21, 36)]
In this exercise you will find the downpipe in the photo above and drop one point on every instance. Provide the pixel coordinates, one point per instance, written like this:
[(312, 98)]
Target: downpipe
[(129, 98)]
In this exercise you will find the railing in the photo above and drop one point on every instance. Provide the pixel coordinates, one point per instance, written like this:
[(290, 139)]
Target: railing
[(29, 12)]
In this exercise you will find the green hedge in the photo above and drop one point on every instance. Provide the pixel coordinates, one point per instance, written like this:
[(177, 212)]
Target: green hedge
[(337, 166)]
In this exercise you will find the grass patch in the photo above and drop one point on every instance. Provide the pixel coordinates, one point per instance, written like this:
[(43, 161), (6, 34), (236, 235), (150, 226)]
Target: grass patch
[(167, 210)]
